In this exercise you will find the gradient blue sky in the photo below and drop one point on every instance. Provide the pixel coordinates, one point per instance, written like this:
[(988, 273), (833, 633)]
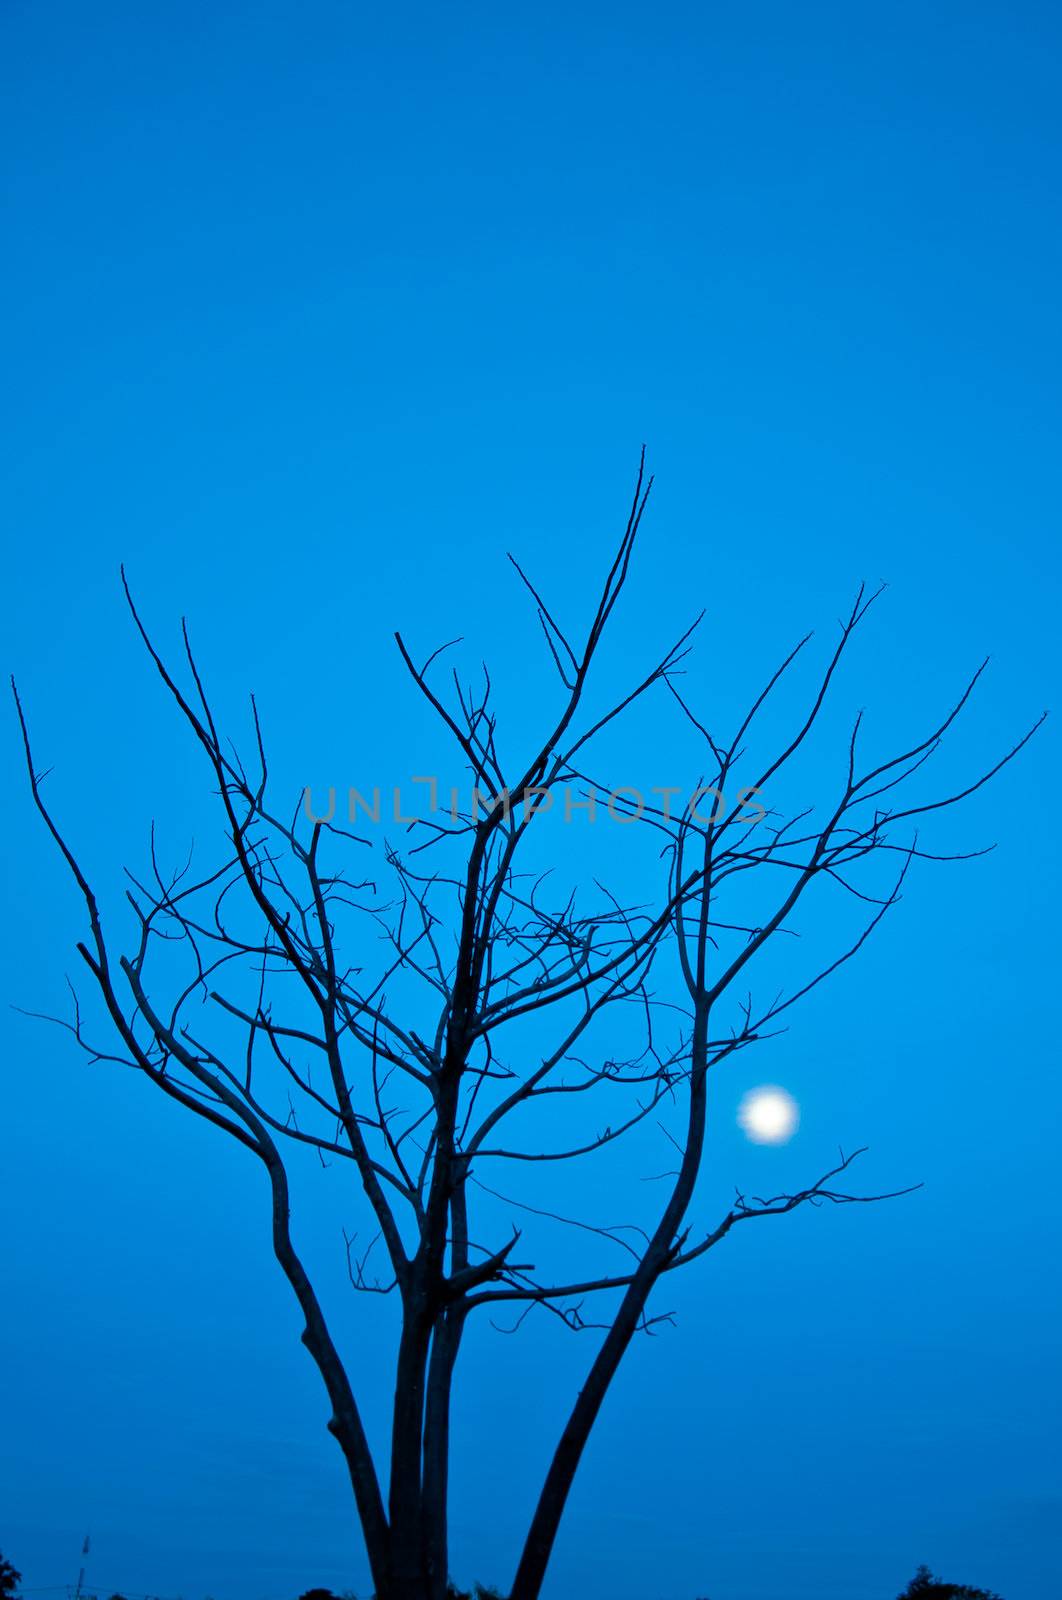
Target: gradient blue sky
[(312, 313)]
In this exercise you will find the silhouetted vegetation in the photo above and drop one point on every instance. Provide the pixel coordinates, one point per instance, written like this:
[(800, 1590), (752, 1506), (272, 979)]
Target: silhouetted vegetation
[(9, 1580), (923, 1586)]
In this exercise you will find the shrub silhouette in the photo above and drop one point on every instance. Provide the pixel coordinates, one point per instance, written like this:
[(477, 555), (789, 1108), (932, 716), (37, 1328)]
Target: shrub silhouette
[(9, 1580), (923, 1586)]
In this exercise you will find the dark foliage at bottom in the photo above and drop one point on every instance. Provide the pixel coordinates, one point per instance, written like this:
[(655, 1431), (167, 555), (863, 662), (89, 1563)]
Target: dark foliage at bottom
[(923, 1586)]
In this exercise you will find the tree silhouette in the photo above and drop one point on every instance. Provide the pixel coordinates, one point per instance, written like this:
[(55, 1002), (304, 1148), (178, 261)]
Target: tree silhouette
[(416, 1076), (923, 1586), (9, 1580)]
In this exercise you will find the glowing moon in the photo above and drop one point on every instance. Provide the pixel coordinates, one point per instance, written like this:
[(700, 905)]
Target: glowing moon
[(768, 1115)]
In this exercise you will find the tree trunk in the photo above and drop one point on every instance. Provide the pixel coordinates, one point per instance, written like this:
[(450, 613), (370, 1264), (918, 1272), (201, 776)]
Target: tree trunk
[(447, 1338), (406, 1500)]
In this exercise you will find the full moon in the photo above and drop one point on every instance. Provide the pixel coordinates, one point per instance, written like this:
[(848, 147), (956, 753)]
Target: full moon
[(768, 1115)]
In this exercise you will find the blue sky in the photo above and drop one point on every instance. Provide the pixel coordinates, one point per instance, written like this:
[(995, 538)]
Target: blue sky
[(313, 313)]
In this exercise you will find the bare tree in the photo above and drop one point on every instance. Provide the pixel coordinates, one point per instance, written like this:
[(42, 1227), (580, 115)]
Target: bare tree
[(238, 995)]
